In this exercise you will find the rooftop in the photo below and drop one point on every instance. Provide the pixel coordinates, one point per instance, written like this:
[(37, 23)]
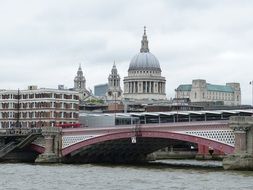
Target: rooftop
[(210, 87)]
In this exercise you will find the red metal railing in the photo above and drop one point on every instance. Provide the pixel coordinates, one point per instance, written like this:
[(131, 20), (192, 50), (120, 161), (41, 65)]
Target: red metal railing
[(69, 125)]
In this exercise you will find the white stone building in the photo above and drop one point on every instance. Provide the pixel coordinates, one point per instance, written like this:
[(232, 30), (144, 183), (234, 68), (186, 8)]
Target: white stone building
[(144, 80), (201, 91), (38, 107), (114, 92)]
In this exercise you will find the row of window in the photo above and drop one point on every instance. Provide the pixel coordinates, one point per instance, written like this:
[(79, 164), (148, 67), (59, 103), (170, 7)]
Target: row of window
[(211, 95), (40, 95), (7, 124), (30, 105), (143, 72), (42, 114), (187, 93)]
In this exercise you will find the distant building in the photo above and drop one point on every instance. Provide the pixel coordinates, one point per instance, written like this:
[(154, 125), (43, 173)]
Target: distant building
[(80, 84), (93, 104), (38, 107), (100, 89), (114, 92), (201, 91), (144, 80)]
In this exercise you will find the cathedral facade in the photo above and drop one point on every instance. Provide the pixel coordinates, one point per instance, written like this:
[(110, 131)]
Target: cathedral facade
[(144, 80)]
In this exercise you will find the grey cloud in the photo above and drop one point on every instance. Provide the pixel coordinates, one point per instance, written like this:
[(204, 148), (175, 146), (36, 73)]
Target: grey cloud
[(43, 43)]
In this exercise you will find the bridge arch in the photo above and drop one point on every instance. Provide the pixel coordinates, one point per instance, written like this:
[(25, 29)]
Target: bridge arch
[(37, 148), (227, 149)]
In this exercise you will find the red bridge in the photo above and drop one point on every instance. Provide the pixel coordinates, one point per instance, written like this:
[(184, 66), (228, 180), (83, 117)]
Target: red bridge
[(134, 142), (131, 143)]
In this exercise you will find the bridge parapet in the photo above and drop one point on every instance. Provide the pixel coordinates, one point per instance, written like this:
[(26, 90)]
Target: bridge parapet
[(19, 131), (243, 129), (242, 159), (241, 123)]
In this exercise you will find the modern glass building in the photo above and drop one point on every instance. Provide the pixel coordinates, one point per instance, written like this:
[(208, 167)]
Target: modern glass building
[(100, 89)]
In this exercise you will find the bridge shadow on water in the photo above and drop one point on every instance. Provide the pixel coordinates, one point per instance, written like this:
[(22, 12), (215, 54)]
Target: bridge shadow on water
[(170, 164)]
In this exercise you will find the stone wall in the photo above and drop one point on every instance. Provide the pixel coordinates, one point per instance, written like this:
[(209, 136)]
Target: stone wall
[(242, 158)]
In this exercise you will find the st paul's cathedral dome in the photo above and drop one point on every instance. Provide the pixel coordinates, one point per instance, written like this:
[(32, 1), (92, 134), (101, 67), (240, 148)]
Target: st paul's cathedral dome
[(144, 80)]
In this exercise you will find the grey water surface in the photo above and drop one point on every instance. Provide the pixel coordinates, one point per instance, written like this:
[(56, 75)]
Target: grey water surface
[(168, 174)]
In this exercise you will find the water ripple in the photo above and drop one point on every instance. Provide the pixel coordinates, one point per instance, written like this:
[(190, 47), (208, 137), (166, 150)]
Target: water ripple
[(190, 175)]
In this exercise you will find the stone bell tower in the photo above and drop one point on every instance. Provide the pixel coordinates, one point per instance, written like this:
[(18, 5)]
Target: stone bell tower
[(114, 92), (80, 84)]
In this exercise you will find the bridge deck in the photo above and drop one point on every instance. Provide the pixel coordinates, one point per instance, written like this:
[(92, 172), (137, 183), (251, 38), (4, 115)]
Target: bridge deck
[(162, 126)]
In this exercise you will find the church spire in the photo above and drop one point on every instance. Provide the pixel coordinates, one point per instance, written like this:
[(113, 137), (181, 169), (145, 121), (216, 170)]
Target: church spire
[(80, 71), (114, 69), (144, 42)]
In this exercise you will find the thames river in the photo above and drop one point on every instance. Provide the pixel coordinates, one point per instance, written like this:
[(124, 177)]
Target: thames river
[(169, 174)]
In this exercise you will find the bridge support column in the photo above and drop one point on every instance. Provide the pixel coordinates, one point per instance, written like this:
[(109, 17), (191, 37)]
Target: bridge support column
[(52, 138), (203, 153), (206, 153), (242, 158)]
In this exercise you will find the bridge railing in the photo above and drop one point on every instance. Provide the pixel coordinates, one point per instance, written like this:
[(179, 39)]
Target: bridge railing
[(166, 124), (186, 123), (137, 128), (70, 125), (19, 131)]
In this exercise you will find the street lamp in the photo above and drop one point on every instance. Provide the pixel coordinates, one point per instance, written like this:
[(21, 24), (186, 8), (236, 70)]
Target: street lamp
[(177, 102), (114, 95), (18, 124), (251, 83)]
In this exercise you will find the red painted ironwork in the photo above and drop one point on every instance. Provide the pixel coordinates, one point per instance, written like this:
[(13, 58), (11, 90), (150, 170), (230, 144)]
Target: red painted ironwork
[(37, 148), (69, 125), (227, 149)]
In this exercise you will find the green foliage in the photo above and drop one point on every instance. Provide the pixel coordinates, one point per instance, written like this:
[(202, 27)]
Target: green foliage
[(95, 101)]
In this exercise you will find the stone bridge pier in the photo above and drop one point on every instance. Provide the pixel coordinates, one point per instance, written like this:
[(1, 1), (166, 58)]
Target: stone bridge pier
[(242, 158), (52, 140)]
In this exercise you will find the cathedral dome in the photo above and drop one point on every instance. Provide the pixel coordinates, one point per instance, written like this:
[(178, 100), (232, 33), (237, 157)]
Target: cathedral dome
[(144, 60), (144, 81)]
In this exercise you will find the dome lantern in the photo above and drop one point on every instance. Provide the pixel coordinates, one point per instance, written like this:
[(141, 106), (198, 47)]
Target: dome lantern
[(144, 42)]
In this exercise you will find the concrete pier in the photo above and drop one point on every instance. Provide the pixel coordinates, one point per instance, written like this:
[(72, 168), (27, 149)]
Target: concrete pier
[(52, 154), (242, 159)]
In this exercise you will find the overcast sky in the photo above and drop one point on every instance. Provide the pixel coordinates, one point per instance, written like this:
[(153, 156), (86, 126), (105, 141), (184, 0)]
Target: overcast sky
[(43, 42)]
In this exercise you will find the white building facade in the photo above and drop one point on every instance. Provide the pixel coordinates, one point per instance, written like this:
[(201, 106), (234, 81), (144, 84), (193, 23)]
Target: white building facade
[(144, 80), (201, 91), (38, 107)]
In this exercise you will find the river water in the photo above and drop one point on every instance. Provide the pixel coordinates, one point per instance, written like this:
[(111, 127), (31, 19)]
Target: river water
[(168, 174)]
